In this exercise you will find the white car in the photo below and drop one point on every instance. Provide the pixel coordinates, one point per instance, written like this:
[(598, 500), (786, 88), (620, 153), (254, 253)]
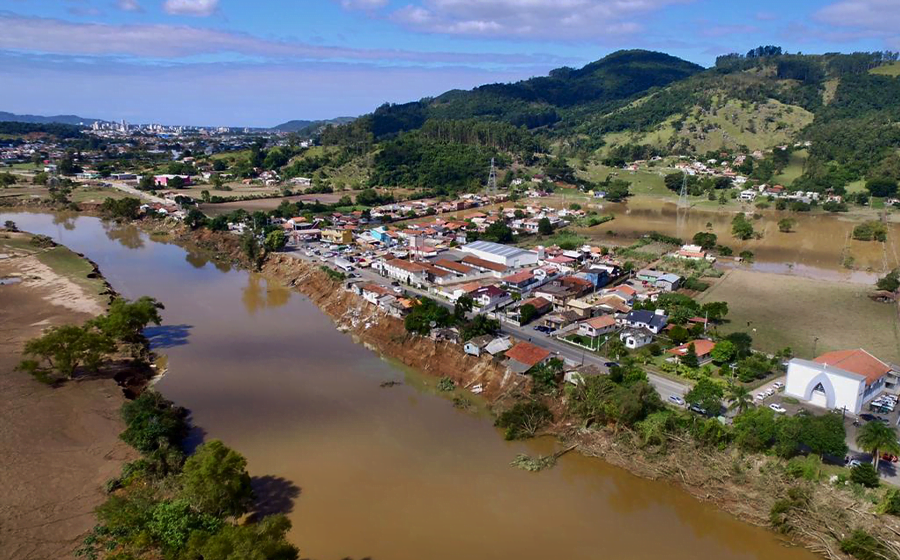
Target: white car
[(778, 408), (778, 385), (675, 399), (760, 397)]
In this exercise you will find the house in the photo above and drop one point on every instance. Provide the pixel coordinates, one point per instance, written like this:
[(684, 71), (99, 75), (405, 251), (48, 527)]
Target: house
[(702, 347), (337, 236), (163, 180), (498, 346), (578, 375), (844, 379), (560, 319), (649, 275), (635, 338), (668, 282), (652, 321), (477, 345), (520, 280), (540, 304), (487, 296), (524, 356), (597, 326), (404, 271)]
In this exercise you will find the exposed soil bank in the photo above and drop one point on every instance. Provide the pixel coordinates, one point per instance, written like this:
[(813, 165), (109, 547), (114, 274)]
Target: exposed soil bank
[(58, 445)]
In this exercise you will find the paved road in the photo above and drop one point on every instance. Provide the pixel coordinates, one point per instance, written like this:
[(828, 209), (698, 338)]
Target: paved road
[(665, 386), (140, 194)]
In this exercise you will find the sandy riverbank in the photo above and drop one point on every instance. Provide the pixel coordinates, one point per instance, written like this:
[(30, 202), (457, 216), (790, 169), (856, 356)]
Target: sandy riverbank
[(58, 445)]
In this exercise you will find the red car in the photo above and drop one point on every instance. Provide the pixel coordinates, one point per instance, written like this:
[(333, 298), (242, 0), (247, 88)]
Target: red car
[(889, 458)]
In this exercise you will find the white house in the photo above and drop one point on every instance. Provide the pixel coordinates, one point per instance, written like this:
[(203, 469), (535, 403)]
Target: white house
[(597, 326), (636, 338), (654, 322), (404, 271), (835, 380)]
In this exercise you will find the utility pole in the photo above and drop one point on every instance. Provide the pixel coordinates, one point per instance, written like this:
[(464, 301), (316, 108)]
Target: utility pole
[(683, 197)]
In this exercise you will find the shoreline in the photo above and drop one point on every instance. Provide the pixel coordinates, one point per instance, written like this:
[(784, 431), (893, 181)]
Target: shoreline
[(743, 485)]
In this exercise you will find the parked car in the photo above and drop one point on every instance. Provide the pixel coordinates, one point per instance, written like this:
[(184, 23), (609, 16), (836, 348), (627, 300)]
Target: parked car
[(398, 290), (697, 409), (675, 399), (867, 417), (778, 385), (760, 397), (543, 329), (611, 364), (853, 463), (778, 408), (889, 458)]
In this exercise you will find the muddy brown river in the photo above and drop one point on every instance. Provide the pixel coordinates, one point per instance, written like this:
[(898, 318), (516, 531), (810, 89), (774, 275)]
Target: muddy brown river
[(383, 473)]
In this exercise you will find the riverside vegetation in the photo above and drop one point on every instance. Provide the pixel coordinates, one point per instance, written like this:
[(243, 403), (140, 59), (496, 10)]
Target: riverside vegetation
[(165, 504)]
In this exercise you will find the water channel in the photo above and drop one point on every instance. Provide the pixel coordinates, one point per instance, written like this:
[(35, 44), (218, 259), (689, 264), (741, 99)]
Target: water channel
[(386, 473)]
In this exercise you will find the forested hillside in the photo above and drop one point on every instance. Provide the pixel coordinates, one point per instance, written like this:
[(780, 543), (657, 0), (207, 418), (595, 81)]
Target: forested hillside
[(637, 104)]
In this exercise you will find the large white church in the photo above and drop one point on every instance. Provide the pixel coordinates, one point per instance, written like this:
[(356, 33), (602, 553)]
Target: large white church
[(844, 378)]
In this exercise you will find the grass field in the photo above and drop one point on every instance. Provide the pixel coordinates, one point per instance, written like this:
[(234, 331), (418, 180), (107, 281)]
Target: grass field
[(892, 69), (95, 195), (68, 264), (794, 169), (780, 310)]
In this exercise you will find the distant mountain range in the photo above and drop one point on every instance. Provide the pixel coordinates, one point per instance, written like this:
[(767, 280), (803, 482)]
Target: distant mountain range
[(303, 126), (39, 119)]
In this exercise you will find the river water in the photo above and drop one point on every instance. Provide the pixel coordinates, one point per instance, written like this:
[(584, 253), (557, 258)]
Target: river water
[(386, 473)]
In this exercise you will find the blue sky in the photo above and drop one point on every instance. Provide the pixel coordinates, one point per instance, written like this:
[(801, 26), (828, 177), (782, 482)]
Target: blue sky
[(258, 63)]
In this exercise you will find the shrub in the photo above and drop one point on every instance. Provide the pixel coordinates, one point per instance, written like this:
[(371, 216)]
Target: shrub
[(808, 468), (864, 546), (864, 474), (524, 419), (870, 231)]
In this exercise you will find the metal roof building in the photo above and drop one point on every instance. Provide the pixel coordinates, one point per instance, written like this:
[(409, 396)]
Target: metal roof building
[(507, 255)]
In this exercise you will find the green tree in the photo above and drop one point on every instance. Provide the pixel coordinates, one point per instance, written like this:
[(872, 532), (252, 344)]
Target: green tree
[(153, 422), (707, 395), (865, 474), (195, 219), (890, 282), (480, 325), (62, 350), (824, 435), (786, 225), (679, 334), (462, 306), (10, 225), (882, 187), (204, 195), (741, 399), (275, 241), (265, 540), (526, 313), (545, 227), (147, 183), (524, 419), (215, 481), (172, 523), (705, 239), (547, 376), (755, 429), (250, 246), (723, 352), (126, 320), (498, 232), (876, 438), (689, 359), (741, 228)]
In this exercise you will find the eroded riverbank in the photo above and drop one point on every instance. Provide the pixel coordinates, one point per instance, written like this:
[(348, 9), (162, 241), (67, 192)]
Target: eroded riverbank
[(399, 472)]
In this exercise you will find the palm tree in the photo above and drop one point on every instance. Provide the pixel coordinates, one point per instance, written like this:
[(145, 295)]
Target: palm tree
[(740, 398), (875, 437)]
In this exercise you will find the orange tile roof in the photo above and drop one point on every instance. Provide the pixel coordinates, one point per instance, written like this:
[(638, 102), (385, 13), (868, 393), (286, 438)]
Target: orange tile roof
[(702, 347), (625, 290), (538, 302), (856, 361), (406, 265), (602, 321), (453, 265), (481, 263), (527, 353)]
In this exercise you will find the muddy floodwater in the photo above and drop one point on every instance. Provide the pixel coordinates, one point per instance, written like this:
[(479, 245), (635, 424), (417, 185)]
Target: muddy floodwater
[(386, 473), (819, 246)]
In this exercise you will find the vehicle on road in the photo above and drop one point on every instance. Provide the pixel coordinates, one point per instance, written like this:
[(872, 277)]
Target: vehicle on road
[(760, 396), (543, 329), (889, 458), (853, 462), (611, 364), (675, 399), (398, 290), (873, 418), (697, 409), (778, 408)]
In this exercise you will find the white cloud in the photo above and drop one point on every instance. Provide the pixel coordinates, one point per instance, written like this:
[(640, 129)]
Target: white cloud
[(546, 19), (199, 8), (174, 42), (868, 18), (129, 5)]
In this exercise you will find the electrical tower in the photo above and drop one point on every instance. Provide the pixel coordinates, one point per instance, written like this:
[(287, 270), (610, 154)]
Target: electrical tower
[(492, 179), (683, 197)]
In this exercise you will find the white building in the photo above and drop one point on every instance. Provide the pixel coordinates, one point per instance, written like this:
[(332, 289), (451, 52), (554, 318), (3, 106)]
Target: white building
[(844, 378), (508, 256)]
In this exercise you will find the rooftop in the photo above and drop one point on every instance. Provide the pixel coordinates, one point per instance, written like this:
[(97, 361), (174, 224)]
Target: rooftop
[(856, 361), (495, 248), (528, 354)]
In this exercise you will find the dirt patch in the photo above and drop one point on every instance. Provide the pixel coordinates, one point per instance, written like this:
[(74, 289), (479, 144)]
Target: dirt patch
[(58, 446)]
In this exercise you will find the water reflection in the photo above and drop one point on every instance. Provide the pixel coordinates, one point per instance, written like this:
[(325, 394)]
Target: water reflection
[(129, 236), (260, 294)]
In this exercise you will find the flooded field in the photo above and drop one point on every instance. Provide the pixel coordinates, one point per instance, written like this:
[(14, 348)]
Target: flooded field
[(383, 473)]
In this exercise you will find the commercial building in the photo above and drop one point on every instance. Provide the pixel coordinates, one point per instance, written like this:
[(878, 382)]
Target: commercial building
[(508, 256)]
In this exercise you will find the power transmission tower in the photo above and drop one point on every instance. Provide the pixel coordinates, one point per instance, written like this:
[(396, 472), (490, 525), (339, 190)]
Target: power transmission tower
[(492, 179), (683, 197)]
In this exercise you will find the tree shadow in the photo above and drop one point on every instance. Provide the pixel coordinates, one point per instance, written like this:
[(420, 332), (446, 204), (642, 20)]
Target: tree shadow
[(168, 336), (274, 495), (196, 436)]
